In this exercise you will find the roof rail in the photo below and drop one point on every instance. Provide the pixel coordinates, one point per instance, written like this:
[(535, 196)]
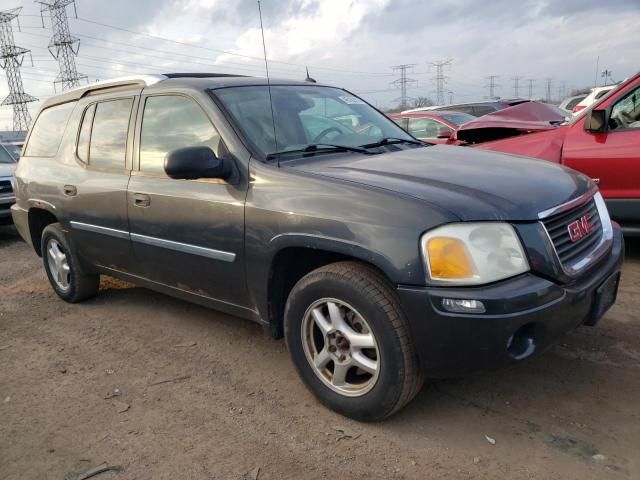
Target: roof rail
[(79, 92)]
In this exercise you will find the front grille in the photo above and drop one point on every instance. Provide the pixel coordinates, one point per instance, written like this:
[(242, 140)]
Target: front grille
[(5, 187), (557, 226)]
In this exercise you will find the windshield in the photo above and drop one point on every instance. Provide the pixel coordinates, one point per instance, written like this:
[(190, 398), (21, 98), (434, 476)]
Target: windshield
[(6, 155), (458, 118), (305, 115)]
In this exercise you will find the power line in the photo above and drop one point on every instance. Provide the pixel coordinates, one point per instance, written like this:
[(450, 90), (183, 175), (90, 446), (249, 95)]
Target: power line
[(492, 85), (63, 47), (11, 58), (403, 82), (440, 79)]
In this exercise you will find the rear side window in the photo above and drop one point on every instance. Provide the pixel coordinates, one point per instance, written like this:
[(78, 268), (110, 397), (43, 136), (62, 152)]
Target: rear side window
[(172, 122), (108, 142), (46, 134)]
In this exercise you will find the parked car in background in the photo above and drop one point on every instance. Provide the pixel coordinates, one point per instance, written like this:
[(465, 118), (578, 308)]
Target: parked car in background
[(382, 260), (477, 109), (602, 141), (594, 95), (568, 103), (7, 168), (433, 127)]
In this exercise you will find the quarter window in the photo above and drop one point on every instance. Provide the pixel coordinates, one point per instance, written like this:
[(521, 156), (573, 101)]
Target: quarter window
[(46, 134), (108, 144), (171, 122)]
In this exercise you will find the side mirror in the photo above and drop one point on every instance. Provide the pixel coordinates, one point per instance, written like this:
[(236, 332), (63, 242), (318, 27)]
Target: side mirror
[(596, 121), (444, 134), (191, 163)]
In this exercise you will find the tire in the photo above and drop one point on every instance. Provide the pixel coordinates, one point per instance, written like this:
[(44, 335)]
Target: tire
[(352, 301), (57, 255)]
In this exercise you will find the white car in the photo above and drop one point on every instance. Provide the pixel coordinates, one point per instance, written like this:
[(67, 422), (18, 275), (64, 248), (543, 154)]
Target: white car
[(595, 94)]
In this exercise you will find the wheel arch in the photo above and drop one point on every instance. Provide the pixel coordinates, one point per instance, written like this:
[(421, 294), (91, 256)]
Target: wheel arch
[(39, 218), (299, 255)]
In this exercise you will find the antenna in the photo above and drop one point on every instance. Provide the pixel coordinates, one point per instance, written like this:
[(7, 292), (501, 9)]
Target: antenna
[(266, 66)]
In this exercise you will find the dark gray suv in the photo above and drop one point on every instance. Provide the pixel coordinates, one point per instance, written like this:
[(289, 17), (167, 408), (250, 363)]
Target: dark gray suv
[(382, 260)]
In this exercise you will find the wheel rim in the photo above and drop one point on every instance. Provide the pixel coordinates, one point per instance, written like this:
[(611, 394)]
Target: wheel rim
[(340, 347), (58, 265)]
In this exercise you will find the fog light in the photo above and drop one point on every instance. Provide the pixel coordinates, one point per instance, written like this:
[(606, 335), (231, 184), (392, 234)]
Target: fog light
[(463, 306)]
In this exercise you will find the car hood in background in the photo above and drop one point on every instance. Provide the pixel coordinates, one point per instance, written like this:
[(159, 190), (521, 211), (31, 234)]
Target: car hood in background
[(7, 169), (521, 118), (469, 183)]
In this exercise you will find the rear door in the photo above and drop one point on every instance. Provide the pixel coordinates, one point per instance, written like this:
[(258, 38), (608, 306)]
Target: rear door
[(95, 195), (612, 157), (186, 234)]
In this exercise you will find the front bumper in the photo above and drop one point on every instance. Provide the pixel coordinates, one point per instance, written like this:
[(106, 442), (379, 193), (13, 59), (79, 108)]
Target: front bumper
[(5, 209), (524, 315)]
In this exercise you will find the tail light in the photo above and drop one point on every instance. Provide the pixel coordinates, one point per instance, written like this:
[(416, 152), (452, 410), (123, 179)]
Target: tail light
[(577, 108)]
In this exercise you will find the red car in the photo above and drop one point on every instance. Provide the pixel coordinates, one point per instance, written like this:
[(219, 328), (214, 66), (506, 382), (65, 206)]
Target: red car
[(433, 127), (602, 141)]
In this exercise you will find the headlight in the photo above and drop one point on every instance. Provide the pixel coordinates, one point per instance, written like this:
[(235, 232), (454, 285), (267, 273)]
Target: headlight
[(473, 253)]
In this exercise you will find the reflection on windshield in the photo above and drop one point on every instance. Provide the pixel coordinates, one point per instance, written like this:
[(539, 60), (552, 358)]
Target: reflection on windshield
[(6, 155), (305, 115)]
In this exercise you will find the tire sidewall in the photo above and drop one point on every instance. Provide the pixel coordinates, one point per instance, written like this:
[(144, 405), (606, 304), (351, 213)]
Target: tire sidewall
[(382, 398), (55, 232)]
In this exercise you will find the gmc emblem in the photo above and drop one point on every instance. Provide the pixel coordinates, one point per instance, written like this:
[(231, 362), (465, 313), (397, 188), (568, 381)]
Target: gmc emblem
[(580, 228)]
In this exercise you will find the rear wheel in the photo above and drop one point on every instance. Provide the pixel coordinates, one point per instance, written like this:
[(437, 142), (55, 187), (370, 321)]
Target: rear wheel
[(62, 267), (349, 340)]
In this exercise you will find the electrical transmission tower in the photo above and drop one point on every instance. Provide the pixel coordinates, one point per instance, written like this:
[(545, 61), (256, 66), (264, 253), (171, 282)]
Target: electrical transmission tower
[(516, 86), (531, 81), (548, 85), (492, 85), (11, 58), (440, 79), (63, 46), (403, 82)]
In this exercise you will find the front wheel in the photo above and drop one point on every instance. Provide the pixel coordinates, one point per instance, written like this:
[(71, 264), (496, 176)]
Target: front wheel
[(349, 340), (62, 267)]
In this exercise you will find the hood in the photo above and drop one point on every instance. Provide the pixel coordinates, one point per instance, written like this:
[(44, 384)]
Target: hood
[(468, 183), (521, 118), (7, 169)]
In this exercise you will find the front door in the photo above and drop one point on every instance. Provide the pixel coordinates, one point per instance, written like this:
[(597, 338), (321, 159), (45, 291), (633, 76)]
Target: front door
[(186, 234), (612, 157)]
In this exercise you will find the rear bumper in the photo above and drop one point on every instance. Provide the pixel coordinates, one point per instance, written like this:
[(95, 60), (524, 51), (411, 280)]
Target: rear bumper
[(21, 221), (524, 315)]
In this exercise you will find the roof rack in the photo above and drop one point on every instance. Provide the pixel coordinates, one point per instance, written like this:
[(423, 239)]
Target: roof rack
[(201, 75), (79, 92)]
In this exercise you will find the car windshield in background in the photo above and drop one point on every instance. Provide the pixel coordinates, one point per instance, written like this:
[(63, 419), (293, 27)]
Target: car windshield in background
[(305, 115), (6, 155), (458, 118)]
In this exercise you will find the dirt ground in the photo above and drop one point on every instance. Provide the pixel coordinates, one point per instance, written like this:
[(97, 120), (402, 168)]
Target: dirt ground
[(207, 396)]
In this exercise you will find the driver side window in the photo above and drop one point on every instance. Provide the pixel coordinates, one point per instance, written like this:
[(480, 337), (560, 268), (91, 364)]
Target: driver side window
[(625, 114), (171, 122)]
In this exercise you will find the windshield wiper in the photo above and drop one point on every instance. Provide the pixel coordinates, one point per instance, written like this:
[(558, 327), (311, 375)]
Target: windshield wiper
[(320, 148), (392, 141)]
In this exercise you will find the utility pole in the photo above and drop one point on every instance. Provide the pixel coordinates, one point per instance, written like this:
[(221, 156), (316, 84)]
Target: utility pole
[(11, 58), (63, 46), (548, 83), (403, 83), (516, 86), (531, 83), (440, 79), (492, 85), (606, 74)]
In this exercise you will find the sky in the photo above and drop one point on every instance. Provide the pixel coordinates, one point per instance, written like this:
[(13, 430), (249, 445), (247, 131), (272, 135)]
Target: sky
[(348, 43)]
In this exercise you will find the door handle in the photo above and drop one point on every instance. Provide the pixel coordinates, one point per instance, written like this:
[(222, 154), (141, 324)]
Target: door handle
[(141, 200), (70, 190)]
